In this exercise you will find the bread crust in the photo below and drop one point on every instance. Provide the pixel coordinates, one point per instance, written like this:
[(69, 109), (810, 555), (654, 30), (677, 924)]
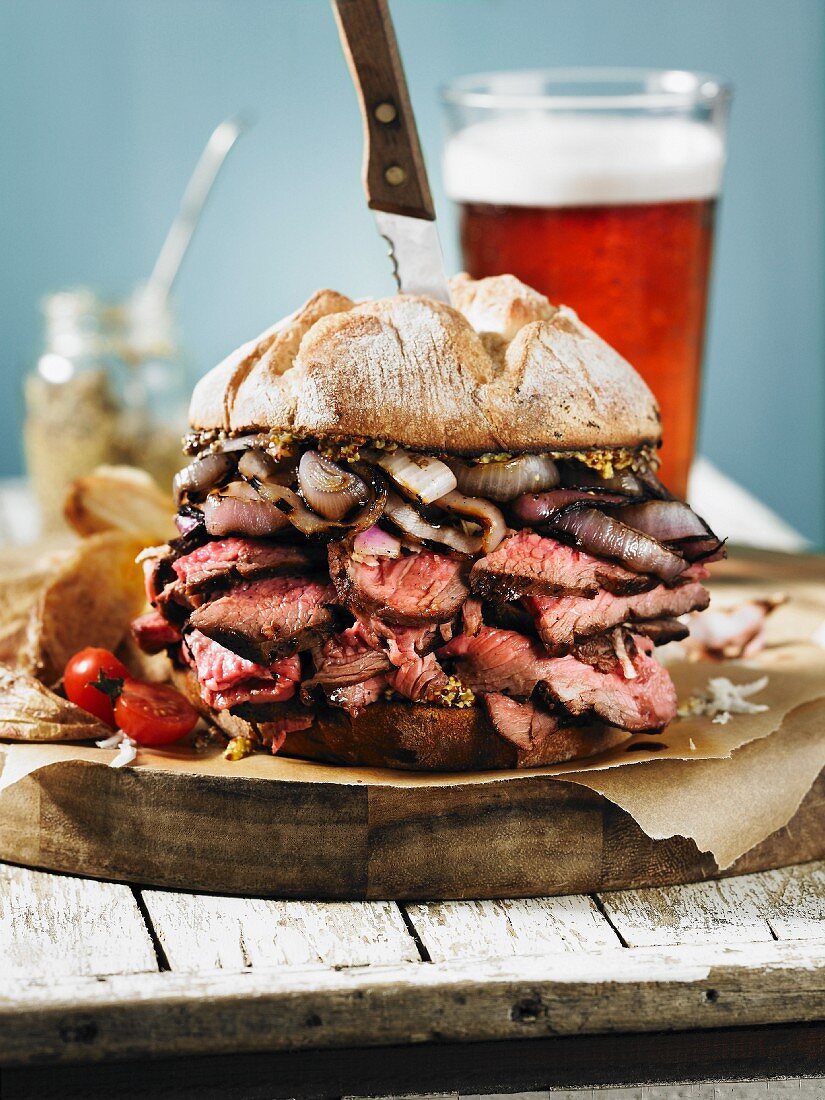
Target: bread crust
[(412, 737), (415, 371)]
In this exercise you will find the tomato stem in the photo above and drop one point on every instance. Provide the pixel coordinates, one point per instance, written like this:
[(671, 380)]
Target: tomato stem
[(110, 686)]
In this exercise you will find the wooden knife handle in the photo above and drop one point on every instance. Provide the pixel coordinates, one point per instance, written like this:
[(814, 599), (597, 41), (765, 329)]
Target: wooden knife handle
[(395, 178)]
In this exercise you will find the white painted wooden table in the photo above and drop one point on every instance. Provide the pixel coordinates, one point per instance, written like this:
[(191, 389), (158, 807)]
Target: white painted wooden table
[(110, 990)]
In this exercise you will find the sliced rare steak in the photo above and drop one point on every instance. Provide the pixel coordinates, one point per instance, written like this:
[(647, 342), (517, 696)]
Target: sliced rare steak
[(662, 631), (267, 619), (153, 633), (416, 588), (472, 617), (530, 728), (273, 721), (564, 621), (506, 662), (343, 660), (157, 572), (600, 652), (498, 661), (645, 702), (224, 560), (357, 697), (420, 679), (528, 563), (525, 724), (227, 680)]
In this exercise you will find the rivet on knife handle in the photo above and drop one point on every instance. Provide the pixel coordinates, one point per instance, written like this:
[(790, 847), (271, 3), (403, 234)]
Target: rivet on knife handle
[(395, 178)]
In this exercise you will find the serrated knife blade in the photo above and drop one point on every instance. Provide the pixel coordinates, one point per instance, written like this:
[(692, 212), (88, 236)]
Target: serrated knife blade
[(415, 251)]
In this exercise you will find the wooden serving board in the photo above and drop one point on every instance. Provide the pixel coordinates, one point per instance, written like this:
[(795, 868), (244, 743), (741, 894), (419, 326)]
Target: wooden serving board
[(304, 836), (305, 830)]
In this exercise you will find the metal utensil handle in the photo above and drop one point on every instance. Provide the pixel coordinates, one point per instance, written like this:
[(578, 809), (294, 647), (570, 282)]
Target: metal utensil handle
[(395, 178), (179, 237)]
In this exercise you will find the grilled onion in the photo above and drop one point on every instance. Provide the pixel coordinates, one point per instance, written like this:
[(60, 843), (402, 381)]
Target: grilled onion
[(239, 510), (653, 487), (186, 524), (255, 463), (703, 550), (676, 525), (200, 476), (241, 443), (575, 475), (606, 537), (420, 476), (327, 489), (665, 520), (308, 523), (505, 480), (479, 511), (533, 508), (408, 520), (375, 543)]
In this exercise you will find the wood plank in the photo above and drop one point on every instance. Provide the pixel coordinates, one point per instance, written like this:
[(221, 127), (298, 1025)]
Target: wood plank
[(703, 912), (796, 909), (493, 929), (200, 932), (55, 926), (788, 903), (572, 993)]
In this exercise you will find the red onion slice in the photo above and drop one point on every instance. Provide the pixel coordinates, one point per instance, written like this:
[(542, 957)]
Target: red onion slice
[(200, 476), (503, 481), (533, 508), (653, 487), (375, 543), (328, 489), (575, 475), (481, 512), (606, 537), (705, 550), (239, 510), (410, 522), (187, 524), (308, 523), (665, 520)]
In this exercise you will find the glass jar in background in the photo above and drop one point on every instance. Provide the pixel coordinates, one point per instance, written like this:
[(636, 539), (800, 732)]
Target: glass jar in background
[(109, 387), (72, 405), (599, 188), (155, 386)]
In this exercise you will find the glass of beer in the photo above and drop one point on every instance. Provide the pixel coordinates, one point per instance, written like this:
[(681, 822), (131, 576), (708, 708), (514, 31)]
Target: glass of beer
[(599, 188)]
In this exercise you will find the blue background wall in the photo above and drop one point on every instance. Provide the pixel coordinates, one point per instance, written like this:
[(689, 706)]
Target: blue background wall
[(105, 104)]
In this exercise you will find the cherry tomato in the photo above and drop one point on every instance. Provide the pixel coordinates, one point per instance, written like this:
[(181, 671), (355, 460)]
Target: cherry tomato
[(153, 714), (80, 674)]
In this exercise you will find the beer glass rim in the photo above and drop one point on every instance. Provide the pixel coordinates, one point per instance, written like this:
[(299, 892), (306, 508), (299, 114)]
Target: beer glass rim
[(586, 89)]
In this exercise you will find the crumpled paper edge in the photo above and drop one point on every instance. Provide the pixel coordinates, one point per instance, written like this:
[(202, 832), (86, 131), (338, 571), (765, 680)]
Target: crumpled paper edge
[(761, 786)]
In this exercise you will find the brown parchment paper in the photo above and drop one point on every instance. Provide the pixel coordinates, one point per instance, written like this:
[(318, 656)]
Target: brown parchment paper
[(727, 787)]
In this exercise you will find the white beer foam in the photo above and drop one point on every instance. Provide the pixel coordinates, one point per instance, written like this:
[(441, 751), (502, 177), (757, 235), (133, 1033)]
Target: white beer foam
[(572, 161)]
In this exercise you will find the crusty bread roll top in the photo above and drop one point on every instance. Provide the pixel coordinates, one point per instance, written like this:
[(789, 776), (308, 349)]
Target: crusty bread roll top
[(500, 371)]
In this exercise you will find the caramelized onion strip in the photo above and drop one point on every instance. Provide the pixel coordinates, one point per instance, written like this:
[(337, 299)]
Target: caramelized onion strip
[(478, 511), (502, 481), (607, 537)]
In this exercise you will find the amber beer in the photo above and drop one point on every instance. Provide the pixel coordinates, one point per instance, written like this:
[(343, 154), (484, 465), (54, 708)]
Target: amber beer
[(612, 215), (636, 273)]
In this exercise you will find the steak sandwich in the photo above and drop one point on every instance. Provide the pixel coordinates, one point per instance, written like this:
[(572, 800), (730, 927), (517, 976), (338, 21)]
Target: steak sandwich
[(426, 537)]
